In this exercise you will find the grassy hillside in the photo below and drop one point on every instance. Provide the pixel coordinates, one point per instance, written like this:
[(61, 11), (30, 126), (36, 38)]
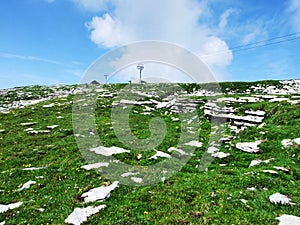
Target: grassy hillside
[(229, 191)]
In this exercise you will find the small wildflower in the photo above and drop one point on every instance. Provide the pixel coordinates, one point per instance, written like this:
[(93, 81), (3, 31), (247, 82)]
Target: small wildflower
[(146, 213)]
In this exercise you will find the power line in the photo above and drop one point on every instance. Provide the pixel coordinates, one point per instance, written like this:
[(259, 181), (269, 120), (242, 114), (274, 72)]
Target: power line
[(272, 43), (267, 40), (286, 38)]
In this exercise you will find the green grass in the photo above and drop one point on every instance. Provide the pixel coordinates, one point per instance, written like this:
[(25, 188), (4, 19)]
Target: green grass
[(189, 197)]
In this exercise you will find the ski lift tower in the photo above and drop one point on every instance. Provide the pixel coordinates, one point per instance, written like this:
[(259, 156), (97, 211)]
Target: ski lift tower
[(140, 67)]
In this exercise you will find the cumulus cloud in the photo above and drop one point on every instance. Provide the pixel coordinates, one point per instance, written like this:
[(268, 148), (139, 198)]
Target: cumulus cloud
[(107, 32), (177, 22), (294, 9)]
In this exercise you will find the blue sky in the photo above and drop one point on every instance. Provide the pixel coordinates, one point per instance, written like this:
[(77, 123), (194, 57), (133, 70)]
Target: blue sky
[(55, 41)]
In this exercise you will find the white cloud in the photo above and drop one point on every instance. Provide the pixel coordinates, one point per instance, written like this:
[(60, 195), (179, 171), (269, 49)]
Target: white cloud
[(294, 9), (177, 22), (224, 19), (28, 57), (107, 32), (251, 36)]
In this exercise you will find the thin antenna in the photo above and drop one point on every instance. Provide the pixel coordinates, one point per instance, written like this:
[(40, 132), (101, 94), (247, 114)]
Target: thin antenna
[(140, 67)]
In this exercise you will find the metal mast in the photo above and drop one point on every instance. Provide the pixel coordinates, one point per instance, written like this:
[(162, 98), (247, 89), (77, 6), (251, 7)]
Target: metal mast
[(140, 67)]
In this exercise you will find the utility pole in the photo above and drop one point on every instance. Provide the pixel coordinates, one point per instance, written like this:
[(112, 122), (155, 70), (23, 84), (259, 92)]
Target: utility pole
[(140, 67), (105, 78)]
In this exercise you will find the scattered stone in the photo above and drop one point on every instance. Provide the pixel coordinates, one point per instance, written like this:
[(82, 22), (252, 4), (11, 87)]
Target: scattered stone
[(160, 154), (278, 99), (180, 151), (194, 144), (165, 104), (290, 142), (244, 201), (108, 151), (28, 129), (2, 223), (288, 220), (139, 156), (251, 189), (48, 106), (136, 179), (4, 208), (52, 127), (212, 150), (34, 168), (226, 139), (41, 209), (28, 124), (281, 168), (80, 215), (251, 147), (26, 185), (279, 198), (255, 113), (95, 165), (258, 161), (38, 131), (128, 174), (220, 155), (270, 171), (100, 193), (2, 131)]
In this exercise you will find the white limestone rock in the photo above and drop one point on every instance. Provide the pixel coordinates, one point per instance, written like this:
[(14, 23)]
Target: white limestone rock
[(108, 151), (251, 189), (244, 201), (259, 161), (251, 147), (255, 112), (100, 193), (49, 106), (288, 220), (52, 127), (212, 150), (194, 144), (95, 165), (281, 168), (290, 142), (128, 174), (28, 124), (4, 208), (137, 179), (270, 171), (27, 185), (279, 198), (160, 154), (180, 151), (34, 168), (80, 215), (220, 155)]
